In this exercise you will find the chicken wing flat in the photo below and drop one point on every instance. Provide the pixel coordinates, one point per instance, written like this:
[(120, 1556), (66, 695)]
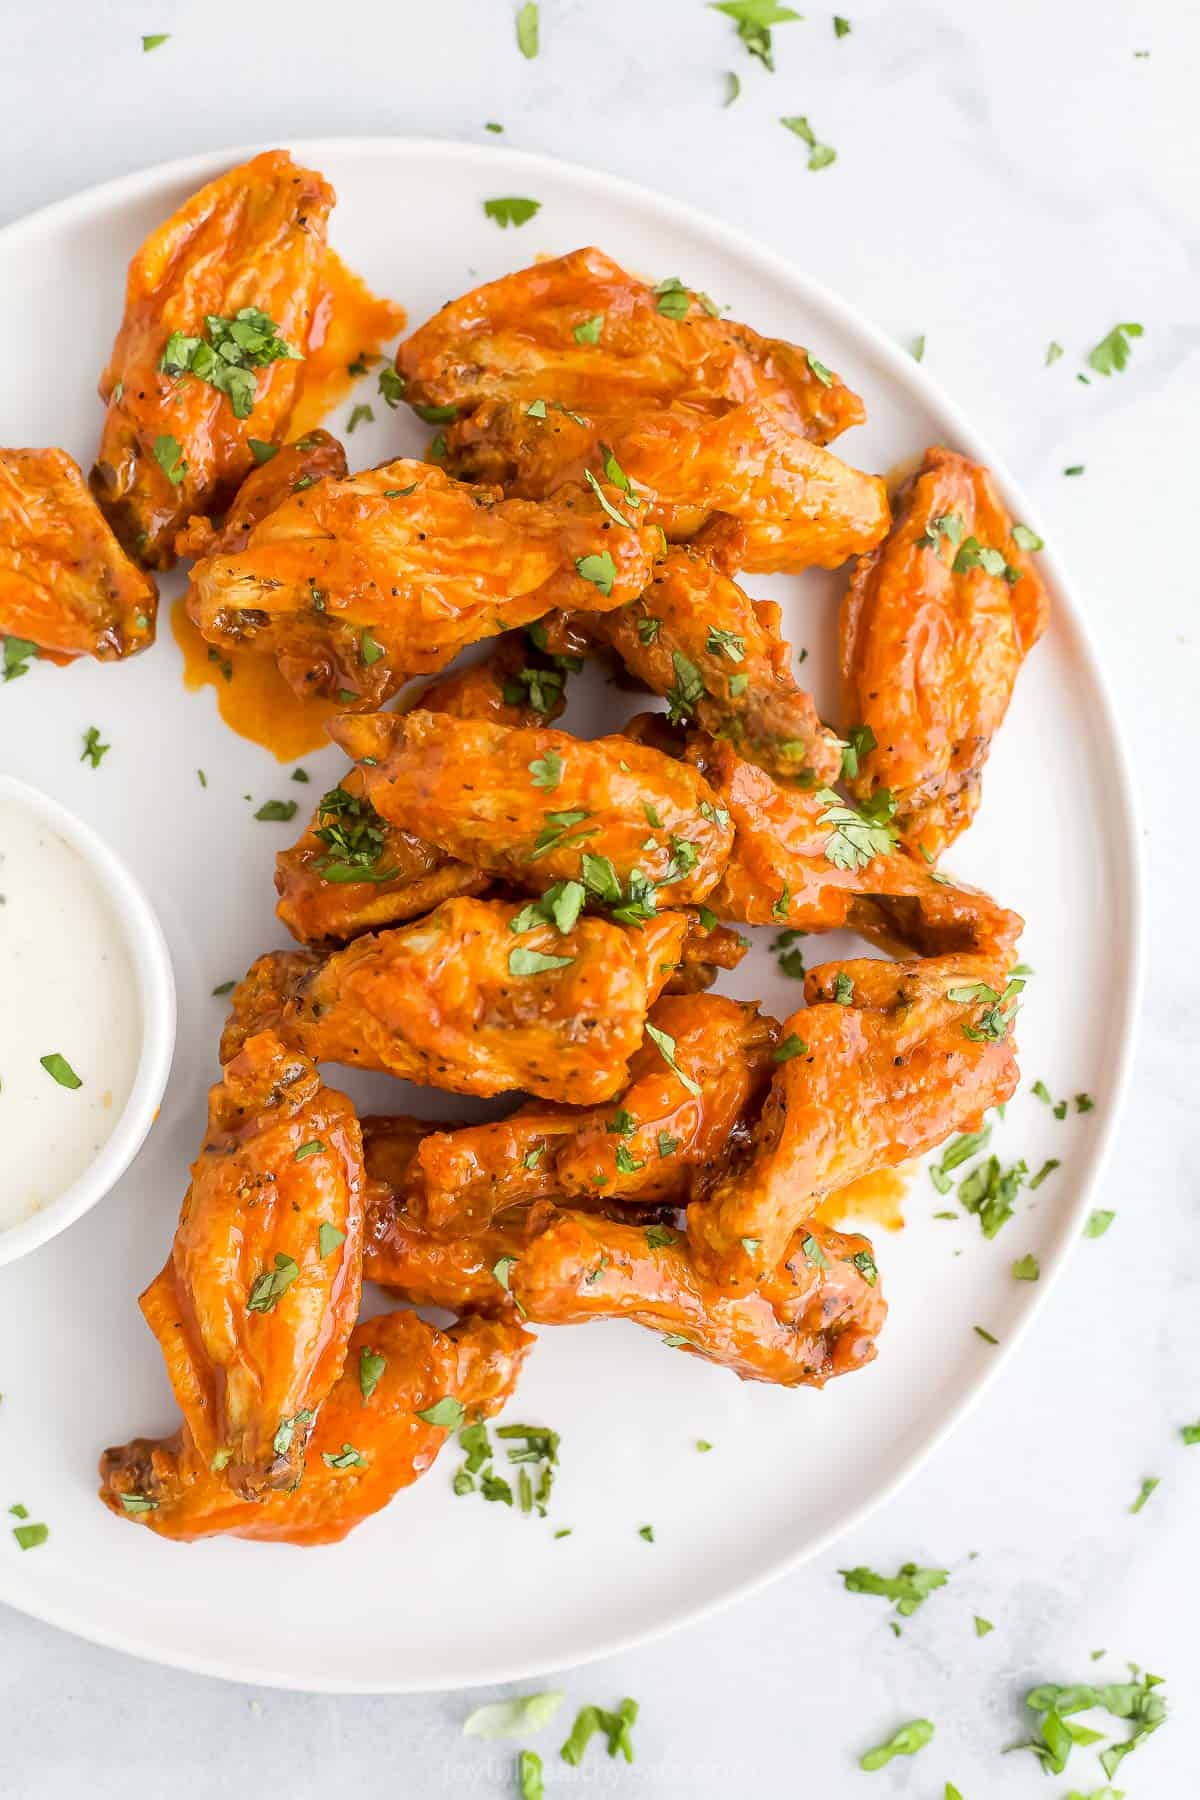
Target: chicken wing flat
[(934, 627), (694, 1086), (804, 860), (816, 1315), (695, 637), (369, 1439), (457, 1000), (353, 871), (260, 1293), (679, 467), (578, 331), (623, 823), (291, 468), (354, 586), (887, 1060), (66, 585), (218, 310)]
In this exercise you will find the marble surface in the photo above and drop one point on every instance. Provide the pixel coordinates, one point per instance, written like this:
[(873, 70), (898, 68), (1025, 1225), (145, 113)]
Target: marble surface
[(1006, 175)]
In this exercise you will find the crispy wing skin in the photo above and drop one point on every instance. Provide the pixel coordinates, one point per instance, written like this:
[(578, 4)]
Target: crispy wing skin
[(707, 950), (931, 643), (658, 1143), (815, 1315), (293, 467), (353, 586), (869, 1083), (352, 870), (253, 238), (538, 807), (368, 1441), (799, 506), (258, 1298), (515, 339), (437, 1002), (697, 638), (781, 871), (65, 583)]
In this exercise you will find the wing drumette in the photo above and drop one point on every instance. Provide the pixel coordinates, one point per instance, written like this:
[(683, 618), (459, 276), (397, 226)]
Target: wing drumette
[(888, 1060), (353, 586), (291, 469), (219, 306), (368, 1442), (260, 1293), (65, 583), (815, 1315), (935, 625), (459, 1000), (542, 807)]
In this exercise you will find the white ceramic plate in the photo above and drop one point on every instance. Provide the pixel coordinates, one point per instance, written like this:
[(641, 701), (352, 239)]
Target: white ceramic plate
[(438, 1591)]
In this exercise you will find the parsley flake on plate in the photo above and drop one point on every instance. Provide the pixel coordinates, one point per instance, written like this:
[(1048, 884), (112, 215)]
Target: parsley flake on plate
[(910, 1587), (60, 1070), (1111, 354), (819, 155), (614, 1725), (906, 1742), (754, 19), (17, 655), (511, 1718), (511, 209), (94, 751), (527, 29)]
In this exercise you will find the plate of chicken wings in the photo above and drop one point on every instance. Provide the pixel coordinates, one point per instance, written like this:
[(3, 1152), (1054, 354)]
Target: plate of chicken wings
[(643, 843)]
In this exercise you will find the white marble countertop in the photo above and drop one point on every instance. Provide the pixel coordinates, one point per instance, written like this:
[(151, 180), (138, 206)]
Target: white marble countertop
[(1006, 175)]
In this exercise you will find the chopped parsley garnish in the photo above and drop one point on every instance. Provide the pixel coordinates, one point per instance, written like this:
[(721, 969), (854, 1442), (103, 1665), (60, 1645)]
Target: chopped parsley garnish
[(1025, 538), (754, 19), (588, 332), (1053, 351), (960, 1151), (60, 1070), (843, 989), (328, 1239), (1075, 469), (230, 357), (448, 1413), (989, 1192), (615, 1726), (860, 741), (93, 750), (560, 905), (1135, 1700), (673, 298), (813, 1252), (618, 518), (648, 630), (725, 643), (354, 836), (436, 415), (688, 688), (152, 40), (857, 835), (841, 27), (168, 454), (502, 1269), (527, 29), (823, 375), (554, 832), (906, 1742), (269, 1288), (647, 1532), (138, 1503), (1026, 1268), (599, 569), (1111, 354), (300, 775), (946, 525), (666, 1049), (345, 1458), (667, 1145), (392, 385), (1144, 1492), (819, 155), (1098, 1223), (910, 1587), (864, 1262), (539, 689), (226, 987), (974, 555), (510, 1718), (30, 1536), (791, 1046), (660, 1237), (532, 962), (1048, 1167), (1190, 1433), (1084, 1103), (371, 1365), (983, 1626), (277, 811), (985, 1335), (546, 771), (312, 1148), (281, 1443), (17, 655), (917, 348), (360, 415), (511, 209)]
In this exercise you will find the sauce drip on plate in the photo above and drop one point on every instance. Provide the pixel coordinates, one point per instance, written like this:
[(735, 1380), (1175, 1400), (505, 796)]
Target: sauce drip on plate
[(355, 324), (252, 697), (877, 1198)]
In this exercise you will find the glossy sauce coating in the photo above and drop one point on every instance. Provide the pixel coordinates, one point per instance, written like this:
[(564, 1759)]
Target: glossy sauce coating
[(930, 648), (254, 1343), (365, 1446), (65, 583), (254, 237), (436, 1002)]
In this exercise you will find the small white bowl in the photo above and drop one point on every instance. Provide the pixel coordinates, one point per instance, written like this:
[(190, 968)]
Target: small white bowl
[(155, 978)]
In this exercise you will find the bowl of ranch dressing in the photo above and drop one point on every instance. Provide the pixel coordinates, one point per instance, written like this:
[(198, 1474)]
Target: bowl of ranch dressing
[(87, 1018)]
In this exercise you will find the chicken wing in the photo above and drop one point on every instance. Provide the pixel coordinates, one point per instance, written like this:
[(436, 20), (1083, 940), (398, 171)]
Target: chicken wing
[(259, 1295), (219, 306), (288, 470), (805, 860), (352, 870), (369, 1440), (887, 1060), (66, 586), (353, 586), (627, 826), (578, 331), (457, 1000), (815, 1315), (695, 637), (679, 467), (934, 627), (694, 1087)]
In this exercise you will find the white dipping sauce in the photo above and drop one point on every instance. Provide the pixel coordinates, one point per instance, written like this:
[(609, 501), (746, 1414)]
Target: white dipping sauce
[(67, 987)]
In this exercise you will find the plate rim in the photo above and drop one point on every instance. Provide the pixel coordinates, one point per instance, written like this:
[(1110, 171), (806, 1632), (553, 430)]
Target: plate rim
[(1126, 822)]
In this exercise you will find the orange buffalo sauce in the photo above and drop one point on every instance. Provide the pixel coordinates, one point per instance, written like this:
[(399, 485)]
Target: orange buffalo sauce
[(253, 698), (349, 323), (876, 1198)]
